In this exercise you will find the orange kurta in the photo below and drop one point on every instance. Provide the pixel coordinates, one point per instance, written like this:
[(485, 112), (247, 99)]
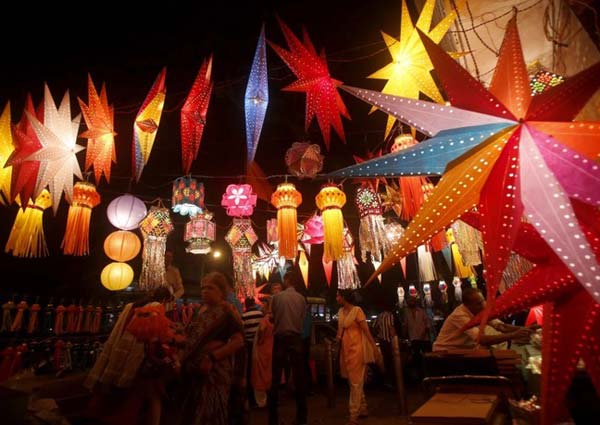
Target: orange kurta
[(352, 362), (262, 358)]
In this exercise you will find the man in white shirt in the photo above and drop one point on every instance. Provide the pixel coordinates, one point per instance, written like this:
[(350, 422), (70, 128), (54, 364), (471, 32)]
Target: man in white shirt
[(496, 333)]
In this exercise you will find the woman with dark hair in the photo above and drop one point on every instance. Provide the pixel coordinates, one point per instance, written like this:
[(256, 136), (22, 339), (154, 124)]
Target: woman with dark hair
[(357, 349), (213, 360)]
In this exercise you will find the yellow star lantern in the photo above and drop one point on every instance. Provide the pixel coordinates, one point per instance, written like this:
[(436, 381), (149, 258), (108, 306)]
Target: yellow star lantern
[(6, 148), (409, 72)]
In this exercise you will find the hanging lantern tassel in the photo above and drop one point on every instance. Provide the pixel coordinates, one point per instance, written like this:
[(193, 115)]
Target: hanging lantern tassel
[(286, 199), (426, 269), (427, 292), (77, 234), (27, 235), (330, 200), (460, 269), (401, 294), (241, 237), (155, 228), (303, 264), (372, 234), (347, 274)]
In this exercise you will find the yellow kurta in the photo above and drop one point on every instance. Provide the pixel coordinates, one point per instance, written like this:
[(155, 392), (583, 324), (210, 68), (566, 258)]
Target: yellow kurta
[(352, 363)]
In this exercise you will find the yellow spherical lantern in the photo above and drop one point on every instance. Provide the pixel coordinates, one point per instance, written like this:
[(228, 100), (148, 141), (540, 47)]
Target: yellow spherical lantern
[(286, 199), (116, 276), (122, 246)]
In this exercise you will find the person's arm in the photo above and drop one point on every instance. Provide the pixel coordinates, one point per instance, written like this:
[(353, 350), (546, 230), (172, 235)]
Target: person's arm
[(235, 343), (362, 322), (519, 335)]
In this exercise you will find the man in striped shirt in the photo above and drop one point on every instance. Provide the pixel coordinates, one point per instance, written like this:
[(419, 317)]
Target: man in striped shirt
[(251, 319)]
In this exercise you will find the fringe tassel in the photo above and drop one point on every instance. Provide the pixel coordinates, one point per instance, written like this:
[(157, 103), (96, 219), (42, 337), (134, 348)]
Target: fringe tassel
[(27, 235), (426, 269), (469, 242), (153, 273), (77, 234), (516, 267)]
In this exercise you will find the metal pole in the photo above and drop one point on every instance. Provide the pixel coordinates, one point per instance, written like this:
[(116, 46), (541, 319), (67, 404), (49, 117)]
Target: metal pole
[(399, 375), (329, 362)]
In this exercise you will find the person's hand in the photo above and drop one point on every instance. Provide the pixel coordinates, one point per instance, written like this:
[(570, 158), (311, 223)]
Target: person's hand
[(521, 336)]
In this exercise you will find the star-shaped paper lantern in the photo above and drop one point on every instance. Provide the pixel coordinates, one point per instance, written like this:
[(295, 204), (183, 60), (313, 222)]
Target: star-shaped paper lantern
[(322, 97), (373, 183), (99, 118), (533, 166), (256, 99), (304, 159), (193, 114), (26, 142), (6, 149), (146, 124), (58, 160), (409, 72)]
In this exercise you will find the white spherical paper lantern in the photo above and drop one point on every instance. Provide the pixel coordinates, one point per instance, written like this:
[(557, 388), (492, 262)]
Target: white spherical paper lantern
[(126, 212)]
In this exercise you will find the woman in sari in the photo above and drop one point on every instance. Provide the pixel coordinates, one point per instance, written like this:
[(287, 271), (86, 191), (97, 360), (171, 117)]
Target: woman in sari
[(213, 359), (262, 358), (357, 349)]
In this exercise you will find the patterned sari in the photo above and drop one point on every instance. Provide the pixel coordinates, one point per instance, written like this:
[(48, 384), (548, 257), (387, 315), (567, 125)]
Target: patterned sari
[(206, 397)]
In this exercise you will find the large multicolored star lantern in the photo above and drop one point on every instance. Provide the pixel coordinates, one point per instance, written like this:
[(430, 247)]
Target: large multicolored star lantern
[(409, 72), (193, 114), (146, 124), (57, 157), (322, 97), (99, 118)]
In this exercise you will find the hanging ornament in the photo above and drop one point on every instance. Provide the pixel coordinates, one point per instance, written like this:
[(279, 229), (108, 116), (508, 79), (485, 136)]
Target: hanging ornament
[(27, 235), (155, 228), (241, 237), (460, 269), (304, 160), (328, 268), (239, 200), (77, 234), (443, 287), (426, 268), (117, 276), (256, 98), (544, 80), (122, 246), (99, 118), (146, 124), (303, 265), (272, 236), (346, 267), (392, 199), (330, 200), (469, 242), (313, 231), (427, 293), (126, 212), (322, 97), (371, 183), (58, 160), (372, 232), (412, 291), (400, 292), (188, 196), (193, 114), (413, 189), (286, 199), (200, 232), (7, 147)]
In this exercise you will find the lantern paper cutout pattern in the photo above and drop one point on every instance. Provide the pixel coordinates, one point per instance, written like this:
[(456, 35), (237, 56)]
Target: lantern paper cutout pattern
[(401, 294), (126, 212), (116, 276), (544, 80), (58, 137), (346, 267), (426, 269), (272, 236), (27, 235), (77, 234), (241, 237), (188, 196), (26, 142), (268, 258), (122, 246), (146, 124), (330, 200), (200, 232), (256, 98), (372, 233), (6, 149), (304, 160), (99, 118), (239, 200), (409, 72), (286, 199), (193, 114), (322, 97), (155, 228), (303, 265)]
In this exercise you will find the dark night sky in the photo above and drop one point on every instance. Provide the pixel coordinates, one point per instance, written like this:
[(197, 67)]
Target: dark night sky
[(127, 50)]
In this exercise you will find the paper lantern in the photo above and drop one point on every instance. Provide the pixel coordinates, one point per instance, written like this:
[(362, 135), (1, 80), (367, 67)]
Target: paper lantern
[(116, 276), (371, 233), (27, 235), (241, 237), (303, 265), (126, 212), (122, 246), (272, 236), (401, 294), (313, 231), (77, 234), (6, 149), (427, 271), (99, 118), (443, 287), (544, 80), (155, 227), (286, 199), (346, 266), (330, 200), (304, 159), (200, 231), (256, 98), (188, 196), (239, 200), (328, 268), (412, 188)]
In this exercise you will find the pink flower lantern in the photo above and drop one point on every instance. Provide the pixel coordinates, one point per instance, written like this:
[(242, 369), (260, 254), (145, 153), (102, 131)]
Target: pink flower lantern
[(239, 200)]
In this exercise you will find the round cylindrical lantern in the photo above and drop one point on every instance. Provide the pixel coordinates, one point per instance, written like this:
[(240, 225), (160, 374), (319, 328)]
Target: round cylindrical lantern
[(188, 196), (116, 276), (122, 245), (286, 199), (330, 200), (200, 231), (126, 212)]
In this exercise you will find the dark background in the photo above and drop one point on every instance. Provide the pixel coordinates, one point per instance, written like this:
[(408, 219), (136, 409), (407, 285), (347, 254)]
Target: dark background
[(126, 46)]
